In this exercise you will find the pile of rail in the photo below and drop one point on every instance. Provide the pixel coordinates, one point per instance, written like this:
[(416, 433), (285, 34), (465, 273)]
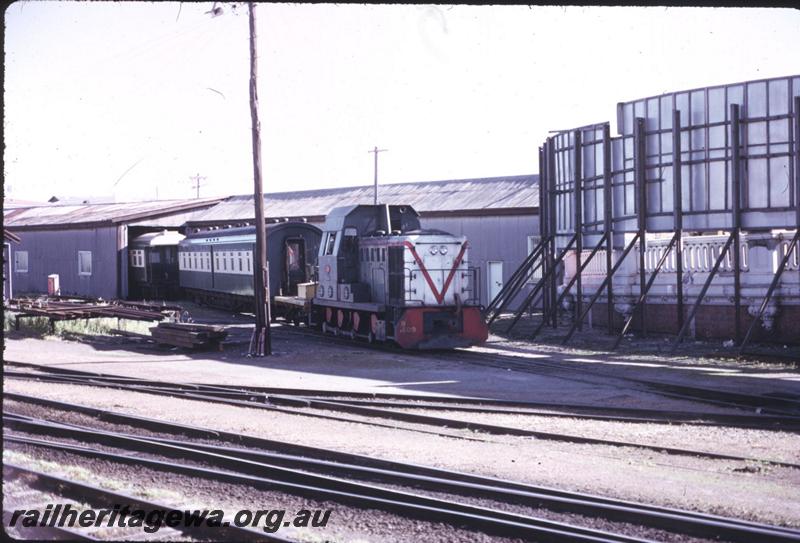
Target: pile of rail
[(57, 308), (191, 336)]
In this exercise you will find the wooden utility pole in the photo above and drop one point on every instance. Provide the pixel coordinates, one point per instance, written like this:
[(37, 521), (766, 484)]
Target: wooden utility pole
[(260, 342), (376, 151), (197, 178)]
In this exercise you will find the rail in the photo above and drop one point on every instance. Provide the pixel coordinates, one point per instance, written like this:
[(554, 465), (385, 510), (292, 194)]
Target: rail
[(793, 263), (699, 255)]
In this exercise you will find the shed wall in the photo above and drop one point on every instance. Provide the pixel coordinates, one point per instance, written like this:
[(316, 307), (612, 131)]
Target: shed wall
[(56, 252), (492, 238)]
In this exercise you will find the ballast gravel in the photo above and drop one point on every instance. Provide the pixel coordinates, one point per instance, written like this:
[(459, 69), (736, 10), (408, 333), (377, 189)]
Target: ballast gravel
[(758, 493)]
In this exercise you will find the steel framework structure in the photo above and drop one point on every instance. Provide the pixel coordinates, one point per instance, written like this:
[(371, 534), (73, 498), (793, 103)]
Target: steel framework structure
[(724, 158)]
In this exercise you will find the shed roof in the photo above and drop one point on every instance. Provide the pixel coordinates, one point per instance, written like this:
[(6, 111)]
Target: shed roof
[(487, 195), (85, 215), (16, 202)]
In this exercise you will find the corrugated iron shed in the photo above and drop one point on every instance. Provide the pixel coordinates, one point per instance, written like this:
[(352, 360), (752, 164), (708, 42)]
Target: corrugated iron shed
[(87, 215), (496, 195)]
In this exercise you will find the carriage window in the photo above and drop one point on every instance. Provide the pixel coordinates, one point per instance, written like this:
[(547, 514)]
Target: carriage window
[(137, 258), (224, 262), (383, 255), (216, 262), (241, 264), (331, 242)]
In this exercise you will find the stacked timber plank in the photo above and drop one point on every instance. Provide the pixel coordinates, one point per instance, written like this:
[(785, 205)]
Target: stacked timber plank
[(190, 336)]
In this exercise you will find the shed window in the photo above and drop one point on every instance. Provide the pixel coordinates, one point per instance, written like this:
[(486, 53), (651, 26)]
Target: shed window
[(21, 261), (84, 263)]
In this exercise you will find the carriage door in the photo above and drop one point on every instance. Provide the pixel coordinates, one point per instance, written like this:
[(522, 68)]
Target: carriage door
[(495, 279), (294, 258)]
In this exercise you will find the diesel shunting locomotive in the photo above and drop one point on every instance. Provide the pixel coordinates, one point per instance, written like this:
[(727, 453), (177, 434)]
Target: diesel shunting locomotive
[(382, 277)]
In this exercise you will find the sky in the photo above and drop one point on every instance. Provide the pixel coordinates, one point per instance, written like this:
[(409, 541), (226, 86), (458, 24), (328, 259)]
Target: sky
[(129, 100)]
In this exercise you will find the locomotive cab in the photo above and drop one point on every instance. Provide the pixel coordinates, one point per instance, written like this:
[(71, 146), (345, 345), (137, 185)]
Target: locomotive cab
[(382, 277)]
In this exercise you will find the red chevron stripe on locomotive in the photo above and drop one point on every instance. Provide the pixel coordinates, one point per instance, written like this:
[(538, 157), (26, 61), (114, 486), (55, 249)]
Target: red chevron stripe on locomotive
[(438, 295)]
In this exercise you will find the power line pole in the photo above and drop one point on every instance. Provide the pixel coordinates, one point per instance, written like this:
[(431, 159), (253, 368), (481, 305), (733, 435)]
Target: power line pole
[(197, 178), (376, 151), (260, 343)]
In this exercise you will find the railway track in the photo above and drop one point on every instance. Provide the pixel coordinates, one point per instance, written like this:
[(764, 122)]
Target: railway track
[(75, 493), (752, 402), (442, 403), (231, 469), (356, 479), (300, 405)]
